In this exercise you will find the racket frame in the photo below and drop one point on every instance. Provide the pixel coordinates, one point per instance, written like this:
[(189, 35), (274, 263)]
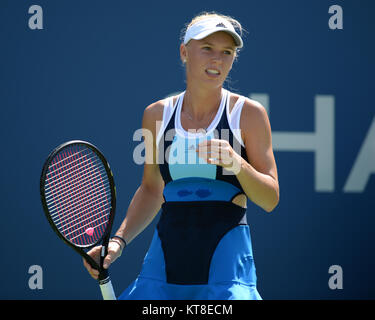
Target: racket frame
[(104, 239)]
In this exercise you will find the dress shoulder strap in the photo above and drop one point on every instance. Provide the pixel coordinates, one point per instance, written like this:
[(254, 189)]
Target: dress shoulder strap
[(234, 118), (169, 108)]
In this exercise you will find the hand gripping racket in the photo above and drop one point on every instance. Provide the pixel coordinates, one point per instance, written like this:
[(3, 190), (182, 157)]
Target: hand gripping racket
[(79, 199)]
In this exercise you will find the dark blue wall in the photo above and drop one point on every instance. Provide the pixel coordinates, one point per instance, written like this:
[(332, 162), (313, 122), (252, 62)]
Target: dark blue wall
[(96, 65)]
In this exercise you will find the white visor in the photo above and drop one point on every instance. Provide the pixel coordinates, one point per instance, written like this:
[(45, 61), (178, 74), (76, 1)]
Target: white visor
[(205, 27)]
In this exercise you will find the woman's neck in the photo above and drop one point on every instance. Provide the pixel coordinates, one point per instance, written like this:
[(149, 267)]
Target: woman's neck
[(200, 103)]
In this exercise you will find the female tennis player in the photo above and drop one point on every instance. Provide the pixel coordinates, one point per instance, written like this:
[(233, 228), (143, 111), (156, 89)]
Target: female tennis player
[(212, 151)]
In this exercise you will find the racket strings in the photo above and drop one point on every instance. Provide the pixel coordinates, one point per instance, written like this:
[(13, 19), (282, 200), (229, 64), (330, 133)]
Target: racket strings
[(78, 195), (60, 202), (68, 196), (74, 213), (78, 206), (83, 217), (89, 209), (68, 171), (83, 233), (57, 163)]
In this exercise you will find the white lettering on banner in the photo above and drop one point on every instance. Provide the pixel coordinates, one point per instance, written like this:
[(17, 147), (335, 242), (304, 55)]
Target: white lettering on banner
[(36, 20), (263, 99), (321, 142), (364, 165)]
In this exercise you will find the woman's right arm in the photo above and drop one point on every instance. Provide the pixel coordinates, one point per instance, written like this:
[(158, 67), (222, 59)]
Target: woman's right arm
[(147, 199)]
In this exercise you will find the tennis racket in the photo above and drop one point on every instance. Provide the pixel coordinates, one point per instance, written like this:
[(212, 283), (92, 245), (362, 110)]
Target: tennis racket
[(79, 198)]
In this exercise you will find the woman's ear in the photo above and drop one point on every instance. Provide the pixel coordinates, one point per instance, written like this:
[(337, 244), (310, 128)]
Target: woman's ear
[(183, 53)]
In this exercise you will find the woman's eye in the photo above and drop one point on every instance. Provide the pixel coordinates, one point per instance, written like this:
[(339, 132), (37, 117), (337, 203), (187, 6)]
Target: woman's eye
[(206, 48), (227, 52)]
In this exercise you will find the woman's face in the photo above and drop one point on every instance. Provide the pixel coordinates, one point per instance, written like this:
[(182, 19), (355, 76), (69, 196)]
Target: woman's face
[(209, 60)]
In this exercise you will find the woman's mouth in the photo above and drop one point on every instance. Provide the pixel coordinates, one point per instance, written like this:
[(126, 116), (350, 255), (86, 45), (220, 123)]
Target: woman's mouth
[(213, 72)]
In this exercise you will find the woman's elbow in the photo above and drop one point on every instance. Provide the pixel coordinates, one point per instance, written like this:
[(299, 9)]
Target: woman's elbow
[(273, 202)]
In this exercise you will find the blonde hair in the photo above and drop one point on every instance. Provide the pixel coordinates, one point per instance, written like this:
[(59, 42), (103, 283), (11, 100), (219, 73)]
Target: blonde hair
[(205, 15)]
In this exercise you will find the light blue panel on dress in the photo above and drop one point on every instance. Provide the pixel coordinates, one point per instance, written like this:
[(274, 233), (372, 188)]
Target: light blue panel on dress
[(183, 159)]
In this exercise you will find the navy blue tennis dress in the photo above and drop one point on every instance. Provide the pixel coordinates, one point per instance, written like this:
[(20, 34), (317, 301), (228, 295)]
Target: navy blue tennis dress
[(201, 248)]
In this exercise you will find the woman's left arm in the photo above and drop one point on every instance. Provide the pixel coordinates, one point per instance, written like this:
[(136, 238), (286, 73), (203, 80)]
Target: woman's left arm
[(257, 176)]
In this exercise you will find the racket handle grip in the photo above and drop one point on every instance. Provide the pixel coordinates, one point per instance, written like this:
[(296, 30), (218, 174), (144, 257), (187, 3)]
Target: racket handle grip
[(107, 289)]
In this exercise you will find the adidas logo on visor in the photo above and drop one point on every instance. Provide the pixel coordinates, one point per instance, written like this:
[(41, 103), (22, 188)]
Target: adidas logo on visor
[(221, 25)]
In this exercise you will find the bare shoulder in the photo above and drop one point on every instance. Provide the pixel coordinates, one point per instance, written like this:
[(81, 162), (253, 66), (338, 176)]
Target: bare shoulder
[(254, 123), (254, 109), (254, 115), (250, 107), (154, 111)]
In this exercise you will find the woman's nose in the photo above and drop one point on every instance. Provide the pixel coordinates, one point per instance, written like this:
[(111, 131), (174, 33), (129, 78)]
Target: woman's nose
[(217, 59)]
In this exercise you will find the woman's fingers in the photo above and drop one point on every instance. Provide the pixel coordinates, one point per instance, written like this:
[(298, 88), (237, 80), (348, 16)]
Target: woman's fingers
[(95, 254), (92, 271), (213, 142), (114, 251), (214, 145), (219, 152)]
